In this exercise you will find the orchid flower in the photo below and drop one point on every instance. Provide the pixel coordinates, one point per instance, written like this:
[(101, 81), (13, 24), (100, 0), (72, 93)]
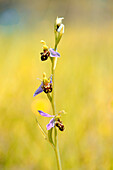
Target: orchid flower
[(55, 121), (46, 85), (48, 52)]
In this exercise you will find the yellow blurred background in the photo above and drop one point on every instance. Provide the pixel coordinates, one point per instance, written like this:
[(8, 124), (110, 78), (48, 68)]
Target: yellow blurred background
[(84, 84)]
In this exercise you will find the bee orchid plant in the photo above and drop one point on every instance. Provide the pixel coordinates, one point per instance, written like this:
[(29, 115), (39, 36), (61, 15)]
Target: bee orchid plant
[(48, 87)]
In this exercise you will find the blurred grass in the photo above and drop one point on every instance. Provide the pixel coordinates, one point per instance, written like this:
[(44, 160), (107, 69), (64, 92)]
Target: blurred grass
[(84, 88)]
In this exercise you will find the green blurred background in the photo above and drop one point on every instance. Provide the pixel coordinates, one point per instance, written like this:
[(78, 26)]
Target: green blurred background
[(84, 84)]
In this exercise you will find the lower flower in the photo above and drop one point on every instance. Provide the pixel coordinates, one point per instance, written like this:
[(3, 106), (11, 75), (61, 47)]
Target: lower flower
[(55, 121)]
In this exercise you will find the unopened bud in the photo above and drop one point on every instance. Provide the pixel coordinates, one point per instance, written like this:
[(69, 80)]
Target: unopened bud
[(61, 29), (59, 20)]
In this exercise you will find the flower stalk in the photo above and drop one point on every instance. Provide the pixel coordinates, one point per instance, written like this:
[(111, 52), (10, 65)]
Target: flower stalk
[(48, 86), (58, 35), (53, 90), (54, 112)]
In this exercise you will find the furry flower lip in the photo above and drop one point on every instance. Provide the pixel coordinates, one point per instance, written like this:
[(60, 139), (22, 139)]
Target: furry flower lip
[(46, 85), (55, 121), (48, 52)]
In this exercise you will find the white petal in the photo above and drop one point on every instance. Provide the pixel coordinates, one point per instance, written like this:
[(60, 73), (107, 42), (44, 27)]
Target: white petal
[(61, 29), (59, 20)]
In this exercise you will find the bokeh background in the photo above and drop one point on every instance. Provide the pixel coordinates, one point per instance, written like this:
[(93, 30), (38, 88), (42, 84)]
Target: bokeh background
[(84, 84)]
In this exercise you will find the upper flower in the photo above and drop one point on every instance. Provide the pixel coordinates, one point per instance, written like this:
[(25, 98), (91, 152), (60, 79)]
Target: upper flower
[(46, 85), (55, 121), (59, 21), (59, 27), (48, 52)]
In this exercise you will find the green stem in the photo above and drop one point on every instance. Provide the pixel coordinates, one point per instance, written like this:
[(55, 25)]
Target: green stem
[(54, 112), (53, 89), (49, 97), (57, 153)]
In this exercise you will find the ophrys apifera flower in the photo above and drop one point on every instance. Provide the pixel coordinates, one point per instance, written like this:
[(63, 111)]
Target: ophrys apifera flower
[(46, 85), (48, 52), (55, 121)]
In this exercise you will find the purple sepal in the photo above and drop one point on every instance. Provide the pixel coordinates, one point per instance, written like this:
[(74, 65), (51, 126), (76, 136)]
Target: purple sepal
[(50, 124), (39, 90), (53, 53), (44, 114)]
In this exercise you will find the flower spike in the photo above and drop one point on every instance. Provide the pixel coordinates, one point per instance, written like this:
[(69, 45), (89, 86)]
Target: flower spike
[(47, 86)]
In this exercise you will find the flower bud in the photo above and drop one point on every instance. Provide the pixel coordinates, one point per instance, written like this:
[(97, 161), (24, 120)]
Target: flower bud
[(59, 26), (59, 21), (61, 29)]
